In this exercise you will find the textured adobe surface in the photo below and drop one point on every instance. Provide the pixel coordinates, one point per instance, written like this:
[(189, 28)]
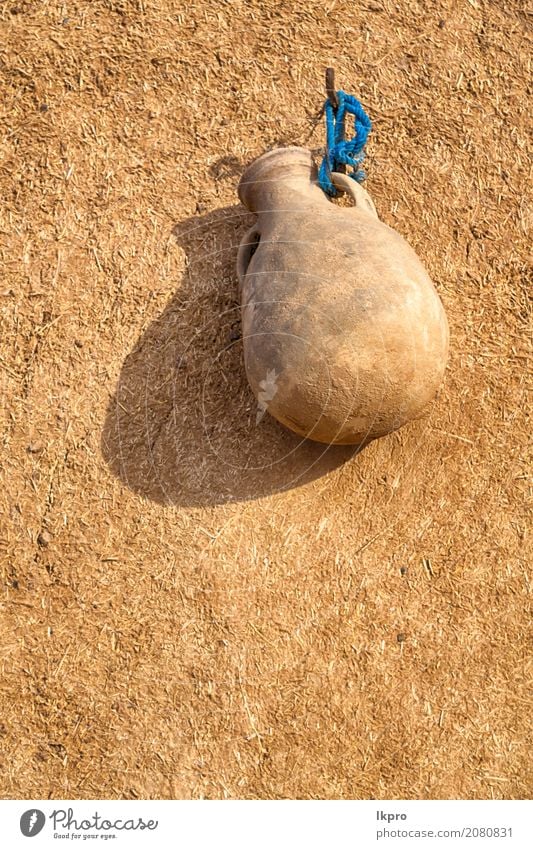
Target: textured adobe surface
[(193, 605)]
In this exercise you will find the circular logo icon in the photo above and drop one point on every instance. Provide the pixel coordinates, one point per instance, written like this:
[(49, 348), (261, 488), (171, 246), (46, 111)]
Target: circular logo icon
[(32, 822)]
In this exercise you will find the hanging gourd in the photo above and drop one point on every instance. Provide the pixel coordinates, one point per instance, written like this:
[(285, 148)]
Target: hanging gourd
[(345, 337)]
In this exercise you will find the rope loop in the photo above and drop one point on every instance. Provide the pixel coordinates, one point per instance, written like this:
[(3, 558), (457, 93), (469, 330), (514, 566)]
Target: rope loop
[(341, 151)]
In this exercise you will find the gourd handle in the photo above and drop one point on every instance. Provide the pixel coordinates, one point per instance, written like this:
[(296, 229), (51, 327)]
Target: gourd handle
[(246, 250), (360, 197)]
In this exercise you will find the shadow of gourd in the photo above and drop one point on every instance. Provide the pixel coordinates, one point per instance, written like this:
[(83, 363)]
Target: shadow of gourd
[(183, 426)]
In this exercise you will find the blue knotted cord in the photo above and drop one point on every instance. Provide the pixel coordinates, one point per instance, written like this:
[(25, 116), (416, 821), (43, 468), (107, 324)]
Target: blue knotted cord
[(340, 151)]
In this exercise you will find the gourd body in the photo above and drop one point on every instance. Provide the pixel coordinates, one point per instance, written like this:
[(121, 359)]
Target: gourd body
[(345, 338)]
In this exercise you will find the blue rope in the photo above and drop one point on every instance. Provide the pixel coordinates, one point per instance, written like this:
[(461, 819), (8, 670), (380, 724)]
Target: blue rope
[(338, 150)]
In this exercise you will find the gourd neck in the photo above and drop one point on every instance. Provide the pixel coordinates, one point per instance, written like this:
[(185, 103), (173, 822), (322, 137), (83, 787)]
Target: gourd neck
[(281, 179)]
